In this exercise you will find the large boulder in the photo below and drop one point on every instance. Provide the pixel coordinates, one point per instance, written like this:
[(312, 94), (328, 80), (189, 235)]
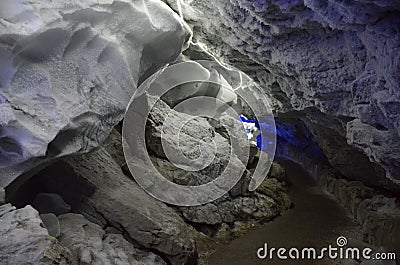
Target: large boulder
[(239, 204), (24, 240), (69, 69), (119, 201)]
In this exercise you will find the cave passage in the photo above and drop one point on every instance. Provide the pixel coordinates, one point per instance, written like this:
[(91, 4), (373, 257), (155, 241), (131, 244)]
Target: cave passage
[(316, 220)]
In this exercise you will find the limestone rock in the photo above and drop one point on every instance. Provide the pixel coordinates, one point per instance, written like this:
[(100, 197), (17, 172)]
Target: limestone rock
[(124, 204), (69, 70), (277, 171), (380, 219), (378, 215), (228, 210), (195, 129), (90, 244), (380, 146), (276, 190), (52, 224), (239, 203), (224, 232), (113, 145), (339, 58), (2, 196), (349, 161), (24, 240)]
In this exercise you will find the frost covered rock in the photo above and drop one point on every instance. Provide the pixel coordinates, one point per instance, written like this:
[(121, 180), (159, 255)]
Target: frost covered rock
[(340, 58), (90, 244), (69, 69), (23, 239)]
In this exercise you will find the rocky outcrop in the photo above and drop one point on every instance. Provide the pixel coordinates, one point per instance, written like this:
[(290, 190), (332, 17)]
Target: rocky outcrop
[(120, 202), (378, 215), (197, 141), (376, 210), (268, 202), (118, 222), (68, 71), (90, 244), (24, 240), (313, 137), (276, 190), (340, 59)]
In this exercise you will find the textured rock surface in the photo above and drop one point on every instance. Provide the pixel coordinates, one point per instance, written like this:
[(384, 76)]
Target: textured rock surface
[(90, 244), (196, 131), (23, 240), (274, 189), (350, 161), (52, 224), (321, 142), (68, 70), (2, 196), (341, 58), (377, 214), (237, 205), (121, 202), (113, 146)]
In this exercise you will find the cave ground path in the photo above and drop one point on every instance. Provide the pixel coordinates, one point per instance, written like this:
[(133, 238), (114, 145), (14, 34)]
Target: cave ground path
[(316, 220)]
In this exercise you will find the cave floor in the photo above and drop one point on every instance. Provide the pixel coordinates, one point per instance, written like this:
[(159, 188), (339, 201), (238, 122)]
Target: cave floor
[(316, 220)]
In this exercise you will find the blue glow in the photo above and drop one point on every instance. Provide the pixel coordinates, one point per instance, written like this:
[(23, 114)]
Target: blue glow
[(296, 136), (249, 126), (244, 119), (264, 143), (254, 129)]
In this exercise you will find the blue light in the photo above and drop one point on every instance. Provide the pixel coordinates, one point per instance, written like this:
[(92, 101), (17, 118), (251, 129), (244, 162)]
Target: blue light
[(255, 128)]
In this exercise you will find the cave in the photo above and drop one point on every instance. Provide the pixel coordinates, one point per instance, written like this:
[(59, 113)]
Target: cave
[(185, 132)]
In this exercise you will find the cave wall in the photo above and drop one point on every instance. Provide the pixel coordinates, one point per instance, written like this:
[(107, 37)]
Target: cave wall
[(69, 69), (336, 62)]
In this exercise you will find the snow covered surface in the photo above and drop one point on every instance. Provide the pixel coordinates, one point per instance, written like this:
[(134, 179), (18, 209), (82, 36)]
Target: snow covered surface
[(69, 68)]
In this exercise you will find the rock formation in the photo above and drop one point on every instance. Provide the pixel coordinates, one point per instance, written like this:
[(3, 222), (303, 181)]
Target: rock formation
[(338, 59), (68, 71), (23, 239), (239, 204), (90, 244)]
